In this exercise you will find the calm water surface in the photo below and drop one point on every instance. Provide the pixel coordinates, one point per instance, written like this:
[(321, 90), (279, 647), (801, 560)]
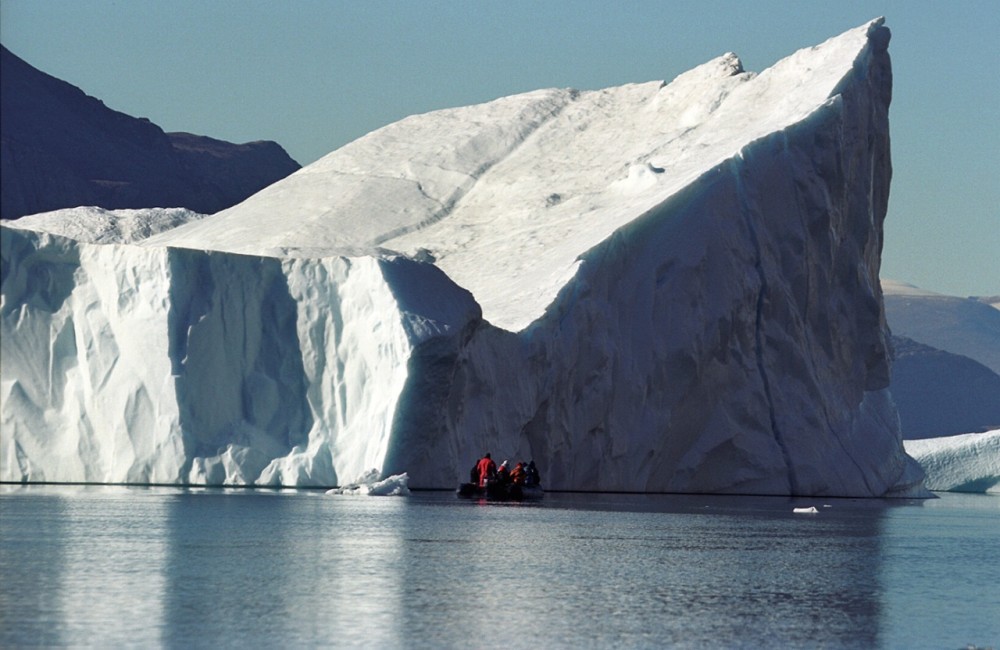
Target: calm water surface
[(148, 567)]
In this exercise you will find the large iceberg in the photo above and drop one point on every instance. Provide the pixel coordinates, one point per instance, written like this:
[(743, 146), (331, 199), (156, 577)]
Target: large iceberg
[(655, 287)]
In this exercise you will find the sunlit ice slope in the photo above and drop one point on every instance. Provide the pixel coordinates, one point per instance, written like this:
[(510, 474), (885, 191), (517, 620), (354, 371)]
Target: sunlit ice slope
[(508, 195), (657, 287)]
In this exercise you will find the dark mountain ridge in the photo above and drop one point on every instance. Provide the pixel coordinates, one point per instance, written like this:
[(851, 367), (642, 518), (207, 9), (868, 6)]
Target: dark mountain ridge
[(61, 148), (966, 326), (939, 393)]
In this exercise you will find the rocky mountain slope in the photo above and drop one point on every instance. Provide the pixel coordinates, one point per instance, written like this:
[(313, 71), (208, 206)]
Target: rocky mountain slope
[(60, 148)]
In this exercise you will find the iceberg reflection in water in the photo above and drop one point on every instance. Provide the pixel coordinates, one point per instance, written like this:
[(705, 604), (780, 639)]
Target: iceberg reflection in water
[(172, 567)]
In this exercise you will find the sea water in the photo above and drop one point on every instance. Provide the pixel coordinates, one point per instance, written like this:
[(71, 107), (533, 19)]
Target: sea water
[(148, 567)]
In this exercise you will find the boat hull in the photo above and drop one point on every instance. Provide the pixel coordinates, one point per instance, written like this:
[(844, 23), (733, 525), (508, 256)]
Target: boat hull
[(501, 492)]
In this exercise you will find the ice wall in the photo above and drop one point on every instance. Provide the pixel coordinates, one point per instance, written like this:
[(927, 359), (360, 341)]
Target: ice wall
[(124, 364), (660, 287)]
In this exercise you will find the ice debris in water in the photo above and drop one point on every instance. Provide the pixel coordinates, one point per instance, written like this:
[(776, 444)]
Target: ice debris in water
[(370, 484)]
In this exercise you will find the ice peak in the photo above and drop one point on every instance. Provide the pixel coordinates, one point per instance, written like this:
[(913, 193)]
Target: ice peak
[(476, 182), (727, 65)]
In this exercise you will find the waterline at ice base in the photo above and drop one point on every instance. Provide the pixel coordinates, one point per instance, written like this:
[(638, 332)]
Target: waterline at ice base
[(658, 287)]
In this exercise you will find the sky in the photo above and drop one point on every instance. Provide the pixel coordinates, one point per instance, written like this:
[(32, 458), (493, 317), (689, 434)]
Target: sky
[(315, 74)]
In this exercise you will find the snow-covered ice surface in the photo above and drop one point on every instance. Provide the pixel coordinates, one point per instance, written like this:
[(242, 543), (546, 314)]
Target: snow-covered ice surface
[(655, 287), (99, 226), (963, 463)]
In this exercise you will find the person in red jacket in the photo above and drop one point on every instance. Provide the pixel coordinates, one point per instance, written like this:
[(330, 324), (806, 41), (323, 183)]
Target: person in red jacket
[(487, 469), (518, 474)]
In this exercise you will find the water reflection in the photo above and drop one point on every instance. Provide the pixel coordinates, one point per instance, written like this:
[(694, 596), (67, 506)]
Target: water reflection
[(113, 578), (29, 609), (88, 570), (227, 567), (280, 569), (668, 572), (203, 568), (944, 562), (361, 557)]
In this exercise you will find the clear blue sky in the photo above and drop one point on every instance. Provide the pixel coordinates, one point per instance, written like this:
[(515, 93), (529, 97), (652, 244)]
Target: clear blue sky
[(315, 74)]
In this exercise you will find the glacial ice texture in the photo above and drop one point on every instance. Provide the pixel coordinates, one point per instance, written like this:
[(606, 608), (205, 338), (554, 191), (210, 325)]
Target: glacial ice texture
[(964, 463), (657, 287)]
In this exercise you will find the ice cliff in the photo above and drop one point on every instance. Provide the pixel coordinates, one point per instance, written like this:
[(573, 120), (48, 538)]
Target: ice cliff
[(655, 287)]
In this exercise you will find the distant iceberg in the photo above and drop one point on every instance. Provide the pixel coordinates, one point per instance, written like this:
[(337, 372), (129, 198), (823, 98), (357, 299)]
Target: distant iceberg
[(964, 463)]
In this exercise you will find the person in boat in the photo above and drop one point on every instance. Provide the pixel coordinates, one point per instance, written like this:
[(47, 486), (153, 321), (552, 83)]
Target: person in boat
[(503, 474), (487, 469), (519, 475), (531, 475)]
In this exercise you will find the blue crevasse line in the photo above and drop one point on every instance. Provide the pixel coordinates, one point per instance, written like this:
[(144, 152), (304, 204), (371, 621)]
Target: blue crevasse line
[(747, 214)]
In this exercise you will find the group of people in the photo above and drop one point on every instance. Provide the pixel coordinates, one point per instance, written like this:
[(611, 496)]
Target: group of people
[(486, 470)]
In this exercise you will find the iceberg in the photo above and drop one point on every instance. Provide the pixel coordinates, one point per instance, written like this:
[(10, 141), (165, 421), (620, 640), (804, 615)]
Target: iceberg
[(658, 287), (964, 463)]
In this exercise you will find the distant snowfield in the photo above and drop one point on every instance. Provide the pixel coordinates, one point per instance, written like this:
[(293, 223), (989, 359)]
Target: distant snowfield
[(897, 288), (963, 463), (892, 287), (99, 226), (654, 288)]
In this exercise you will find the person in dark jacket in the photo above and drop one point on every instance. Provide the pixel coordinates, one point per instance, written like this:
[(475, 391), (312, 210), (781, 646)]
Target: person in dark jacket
[(503, 474), (533, 477)]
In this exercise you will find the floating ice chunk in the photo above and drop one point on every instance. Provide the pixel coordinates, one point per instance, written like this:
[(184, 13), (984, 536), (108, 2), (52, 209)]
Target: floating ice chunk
[(370, 485), (805, 511)]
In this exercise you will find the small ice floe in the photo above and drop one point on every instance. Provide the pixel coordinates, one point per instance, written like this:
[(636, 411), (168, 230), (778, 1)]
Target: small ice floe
[(371, 485), (805, 511)]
